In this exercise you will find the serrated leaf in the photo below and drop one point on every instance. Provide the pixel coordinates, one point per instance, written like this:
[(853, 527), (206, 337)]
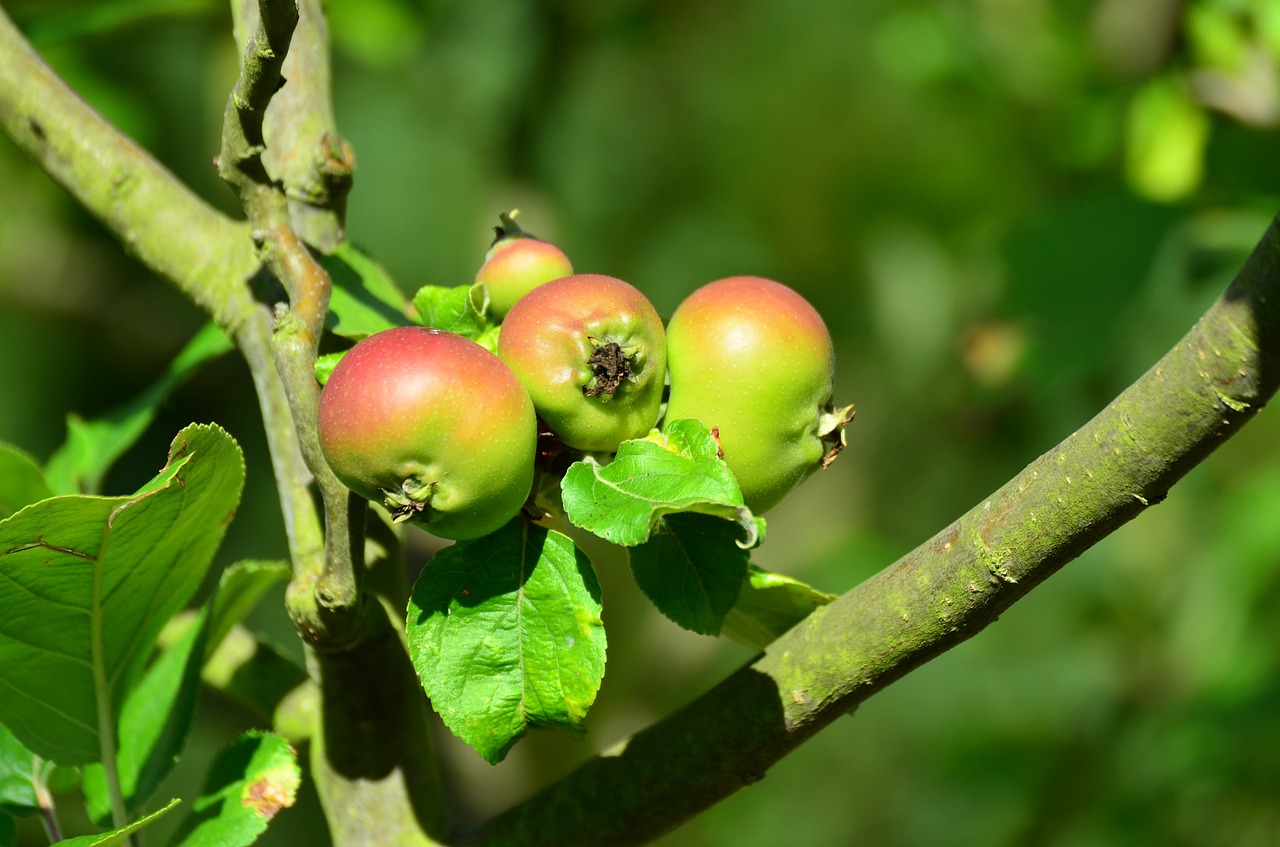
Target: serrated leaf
[(364, 300), (118, 836), (505, 633), (462, 310), (86, 583), (675, 471), (17, 776), (692, 570), (154, 723), (92, 447), (248, 784), (21, 480), (769, 605)]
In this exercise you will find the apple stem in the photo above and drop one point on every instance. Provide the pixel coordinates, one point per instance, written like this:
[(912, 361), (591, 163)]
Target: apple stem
[(508, 228)]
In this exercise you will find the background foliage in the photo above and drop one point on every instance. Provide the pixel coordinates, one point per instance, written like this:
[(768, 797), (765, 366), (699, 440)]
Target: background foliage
[(1005, 209)]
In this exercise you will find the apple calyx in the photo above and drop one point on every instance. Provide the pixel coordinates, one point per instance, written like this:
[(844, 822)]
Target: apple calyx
[(831, 430), (611, 365), (410, 501)]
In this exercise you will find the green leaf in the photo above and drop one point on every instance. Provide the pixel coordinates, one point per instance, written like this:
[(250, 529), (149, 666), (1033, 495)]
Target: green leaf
[(325, 364), (118, 836), (461, 310), (249, 783), (240, 589), (17, 776), (675, 471), (505, 633), (154, 723), (769, 605), (92, 447), (21, 480), (8, 832), (58, 25), (692, 570), (364, 300), (86, 583)]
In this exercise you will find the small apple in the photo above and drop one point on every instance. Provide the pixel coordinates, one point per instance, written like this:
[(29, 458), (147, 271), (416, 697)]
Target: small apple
[(432, 426), (753, 359), (591, 352), (517, 263)]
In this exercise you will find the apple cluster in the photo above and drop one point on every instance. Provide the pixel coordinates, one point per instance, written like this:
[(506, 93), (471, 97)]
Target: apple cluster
[(445, 433)]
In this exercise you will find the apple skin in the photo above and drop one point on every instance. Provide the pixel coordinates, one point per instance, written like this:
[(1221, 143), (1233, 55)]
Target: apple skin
[(549, 338), (516, 264), (434, 427), (754, 359)]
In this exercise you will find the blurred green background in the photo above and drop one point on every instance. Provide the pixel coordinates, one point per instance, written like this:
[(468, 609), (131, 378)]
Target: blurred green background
[(1005, 209)]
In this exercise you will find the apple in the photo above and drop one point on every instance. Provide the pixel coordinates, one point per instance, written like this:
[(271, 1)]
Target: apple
[(517, 263), (591, 351), (432, 426), (753, 360)]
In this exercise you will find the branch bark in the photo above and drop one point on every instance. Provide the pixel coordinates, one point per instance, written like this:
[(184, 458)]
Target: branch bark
[(158, 219), (947, 590)]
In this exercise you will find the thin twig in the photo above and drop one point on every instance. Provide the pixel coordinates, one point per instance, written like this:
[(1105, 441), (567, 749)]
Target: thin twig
[(324, 596)]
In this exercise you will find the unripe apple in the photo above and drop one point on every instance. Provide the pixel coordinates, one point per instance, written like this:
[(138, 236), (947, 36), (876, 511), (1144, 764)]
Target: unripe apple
[(591, 351), (751, 358), (517, 263), (434, 427)]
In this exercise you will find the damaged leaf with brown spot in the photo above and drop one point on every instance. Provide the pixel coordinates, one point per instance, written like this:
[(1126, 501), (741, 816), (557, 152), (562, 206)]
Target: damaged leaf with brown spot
[(250, 782)]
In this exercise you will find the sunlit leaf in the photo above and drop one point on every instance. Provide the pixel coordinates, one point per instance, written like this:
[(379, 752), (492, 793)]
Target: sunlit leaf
[(1166, 136), (89, 581), (506, 635), (116, 837), (17, 776), (21, 480), (248, 785), (462, 310), (675, 471)]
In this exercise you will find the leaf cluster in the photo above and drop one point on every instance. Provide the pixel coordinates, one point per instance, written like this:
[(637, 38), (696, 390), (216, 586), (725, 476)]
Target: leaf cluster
[(100, 661)]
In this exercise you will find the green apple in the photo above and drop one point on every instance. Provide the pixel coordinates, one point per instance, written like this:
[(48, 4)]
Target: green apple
[(517, 263), (752, 359)]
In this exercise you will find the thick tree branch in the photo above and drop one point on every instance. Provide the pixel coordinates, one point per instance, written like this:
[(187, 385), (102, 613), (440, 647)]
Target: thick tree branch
[(156, 217), (206, 255), (944, 592), (304, 150)]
